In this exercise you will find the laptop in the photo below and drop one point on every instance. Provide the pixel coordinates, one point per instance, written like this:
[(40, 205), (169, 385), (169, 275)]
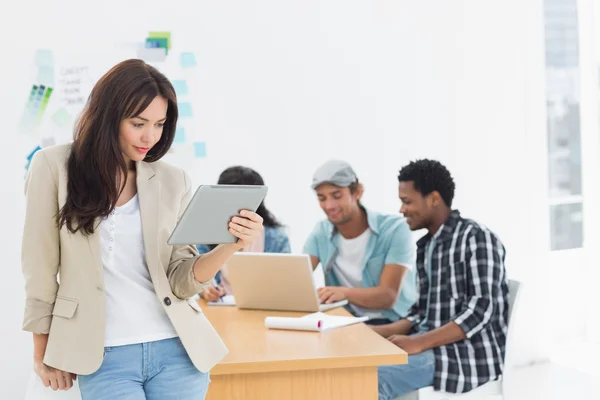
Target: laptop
[(269, 281)]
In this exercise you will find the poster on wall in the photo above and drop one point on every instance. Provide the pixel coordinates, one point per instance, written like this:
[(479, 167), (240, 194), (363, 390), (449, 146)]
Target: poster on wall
[(65, 78)]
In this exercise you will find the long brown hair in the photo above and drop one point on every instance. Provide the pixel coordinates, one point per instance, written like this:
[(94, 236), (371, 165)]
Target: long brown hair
[(96, 165)]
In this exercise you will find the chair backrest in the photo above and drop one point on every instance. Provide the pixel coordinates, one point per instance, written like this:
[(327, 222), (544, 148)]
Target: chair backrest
[(514, 290), (513, 293), (494, 387)]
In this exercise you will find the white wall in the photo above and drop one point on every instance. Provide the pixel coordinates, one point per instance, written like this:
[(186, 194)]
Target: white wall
[(292, 84), (589, 21)]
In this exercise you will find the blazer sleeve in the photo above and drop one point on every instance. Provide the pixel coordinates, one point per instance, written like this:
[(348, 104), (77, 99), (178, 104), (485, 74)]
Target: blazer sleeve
[(183, 257), (40, 249)]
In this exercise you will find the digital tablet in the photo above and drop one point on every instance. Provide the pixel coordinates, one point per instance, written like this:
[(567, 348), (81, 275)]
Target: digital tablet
[(207, 216)]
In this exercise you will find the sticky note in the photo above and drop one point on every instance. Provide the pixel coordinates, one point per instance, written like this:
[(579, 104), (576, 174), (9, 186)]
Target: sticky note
[(181, 87), (179, 135), (152, 55), (61, 117), (185, 109), (44, 58), (199, 149), (45, 75), (161, 35), (47, 142), (157, 43), (30, 156), (41, 103), (188, 60)]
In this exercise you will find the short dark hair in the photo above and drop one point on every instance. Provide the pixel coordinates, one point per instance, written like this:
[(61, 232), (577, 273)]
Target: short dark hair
[(429, 176), (354, 186)]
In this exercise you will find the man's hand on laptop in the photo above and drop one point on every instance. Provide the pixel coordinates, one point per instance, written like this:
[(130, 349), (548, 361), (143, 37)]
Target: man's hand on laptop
[(213, 293), (331, 294)]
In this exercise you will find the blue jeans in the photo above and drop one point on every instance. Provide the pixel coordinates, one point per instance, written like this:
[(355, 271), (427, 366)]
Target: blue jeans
[(160, 370), (397, 380)]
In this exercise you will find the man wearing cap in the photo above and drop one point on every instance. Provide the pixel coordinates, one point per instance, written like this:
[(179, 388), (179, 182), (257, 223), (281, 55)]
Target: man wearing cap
[(368, 257)]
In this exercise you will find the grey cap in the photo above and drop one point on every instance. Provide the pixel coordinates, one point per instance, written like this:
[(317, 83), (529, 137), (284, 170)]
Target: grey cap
[(335, 172)]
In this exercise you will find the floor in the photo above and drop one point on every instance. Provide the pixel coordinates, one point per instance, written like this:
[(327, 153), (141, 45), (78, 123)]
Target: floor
[(552, 381), (547, 381)]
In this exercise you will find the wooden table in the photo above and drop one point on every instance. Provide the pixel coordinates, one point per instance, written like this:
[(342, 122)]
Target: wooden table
[(286, 365)]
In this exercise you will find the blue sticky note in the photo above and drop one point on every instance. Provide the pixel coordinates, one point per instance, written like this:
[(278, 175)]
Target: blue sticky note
[(181, 87), (199, 149), (45, 75), (44, 58), (185, 109), (188, 60), (179, 135), (30, 156)]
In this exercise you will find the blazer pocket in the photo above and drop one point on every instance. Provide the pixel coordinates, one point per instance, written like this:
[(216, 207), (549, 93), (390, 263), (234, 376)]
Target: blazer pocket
[(64, 307)]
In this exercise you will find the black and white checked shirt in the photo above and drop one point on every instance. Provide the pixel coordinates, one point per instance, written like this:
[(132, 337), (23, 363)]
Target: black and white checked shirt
[(468, 286)]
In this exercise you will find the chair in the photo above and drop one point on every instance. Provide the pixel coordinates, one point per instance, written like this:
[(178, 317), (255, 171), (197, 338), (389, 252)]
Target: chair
[(492, 390)]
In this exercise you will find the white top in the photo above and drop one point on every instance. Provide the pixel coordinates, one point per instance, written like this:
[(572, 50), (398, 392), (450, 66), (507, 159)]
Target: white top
[(349, 265), (133, 312)]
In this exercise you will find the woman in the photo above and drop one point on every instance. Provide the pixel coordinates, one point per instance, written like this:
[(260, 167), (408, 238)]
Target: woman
[(272, 240), (98, 216)]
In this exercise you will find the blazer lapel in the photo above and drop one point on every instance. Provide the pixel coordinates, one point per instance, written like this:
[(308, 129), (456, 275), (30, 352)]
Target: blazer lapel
[(148, 188), (94, 243), (149, 197)]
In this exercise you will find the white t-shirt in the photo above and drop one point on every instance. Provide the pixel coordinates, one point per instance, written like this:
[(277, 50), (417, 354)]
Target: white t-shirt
[(133, 312), (349, 265)]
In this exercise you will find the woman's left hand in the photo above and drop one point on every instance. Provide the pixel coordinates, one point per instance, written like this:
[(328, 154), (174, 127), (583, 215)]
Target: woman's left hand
[(247, 228)]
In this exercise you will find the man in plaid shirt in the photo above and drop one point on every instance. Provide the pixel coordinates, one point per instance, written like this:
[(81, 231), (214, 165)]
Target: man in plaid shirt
[(455, 334)]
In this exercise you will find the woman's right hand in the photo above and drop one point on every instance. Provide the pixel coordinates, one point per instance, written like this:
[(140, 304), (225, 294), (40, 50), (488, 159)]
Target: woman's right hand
[(213, 293), (52, 377)]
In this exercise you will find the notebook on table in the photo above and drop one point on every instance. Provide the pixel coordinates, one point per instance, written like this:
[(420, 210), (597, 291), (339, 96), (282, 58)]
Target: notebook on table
[(316, 322)]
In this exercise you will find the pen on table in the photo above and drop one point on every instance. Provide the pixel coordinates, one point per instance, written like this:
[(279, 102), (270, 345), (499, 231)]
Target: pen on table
[(217, 288), (218, 283)]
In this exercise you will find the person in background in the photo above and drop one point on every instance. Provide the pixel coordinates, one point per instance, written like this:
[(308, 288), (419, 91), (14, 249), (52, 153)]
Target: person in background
[(98, 216), (367, 257), (455, 335), (273, 239)]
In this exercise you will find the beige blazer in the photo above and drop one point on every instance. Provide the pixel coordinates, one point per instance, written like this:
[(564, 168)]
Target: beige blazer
[(64, 280)]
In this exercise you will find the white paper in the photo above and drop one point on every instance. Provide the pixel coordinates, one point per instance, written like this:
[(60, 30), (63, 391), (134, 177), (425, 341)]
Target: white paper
[(151, 55), (316, 322), (47, 142), (290, 323), (227, 300)]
